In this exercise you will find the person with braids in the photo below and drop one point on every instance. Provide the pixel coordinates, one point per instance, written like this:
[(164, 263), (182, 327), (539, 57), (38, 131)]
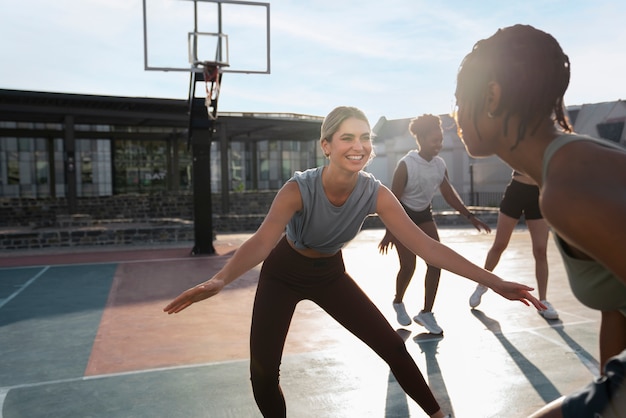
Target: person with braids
[(521, 197), (416, 179), (509, 94), (313, 216)]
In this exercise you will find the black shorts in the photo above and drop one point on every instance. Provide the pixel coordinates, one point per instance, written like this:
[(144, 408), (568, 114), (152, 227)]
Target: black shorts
[(604, 397), (520, 198), (419, 217)]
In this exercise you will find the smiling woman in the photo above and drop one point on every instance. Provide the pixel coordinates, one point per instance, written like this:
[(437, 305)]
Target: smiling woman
[(418, 176), (317, 213)]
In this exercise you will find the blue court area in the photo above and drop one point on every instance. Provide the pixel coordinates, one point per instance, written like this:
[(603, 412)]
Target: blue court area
[(88, 339)]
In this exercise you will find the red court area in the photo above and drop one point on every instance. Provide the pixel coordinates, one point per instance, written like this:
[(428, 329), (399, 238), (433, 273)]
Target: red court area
[(134, 332)]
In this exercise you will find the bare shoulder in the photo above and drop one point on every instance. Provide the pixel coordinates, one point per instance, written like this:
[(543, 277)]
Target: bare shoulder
[(582, 175), (289, 196), (583, 197)]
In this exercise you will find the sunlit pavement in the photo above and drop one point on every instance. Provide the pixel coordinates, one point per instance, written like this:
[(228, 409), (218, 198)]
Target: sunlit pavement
[(84, 335)]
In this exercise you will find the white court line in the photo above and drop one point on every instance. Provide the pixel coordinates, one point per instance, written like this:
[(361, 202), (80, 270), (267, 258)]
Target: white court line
[(21, 289), (156, 260), (5, 390), (592, 366), (3, 394)]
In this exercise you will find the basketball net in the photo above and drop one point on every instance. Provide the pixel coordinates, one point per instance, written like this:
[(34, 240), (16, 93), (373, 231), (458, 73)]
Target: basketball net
[(212, 87)]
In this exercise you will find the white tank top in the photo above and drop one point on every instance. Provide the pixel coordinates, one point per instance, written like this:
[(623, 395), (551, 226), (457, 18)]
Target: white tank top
[(423, 180)]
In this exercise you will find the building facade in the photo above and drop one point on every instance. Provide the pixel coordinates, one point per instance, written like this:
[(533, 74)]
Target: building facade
[(69, 148), (119, 158)]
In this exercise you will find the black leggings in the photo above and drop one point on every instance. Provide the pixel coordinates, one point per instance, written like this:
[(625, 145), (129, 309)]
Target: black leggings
[(287, 277)]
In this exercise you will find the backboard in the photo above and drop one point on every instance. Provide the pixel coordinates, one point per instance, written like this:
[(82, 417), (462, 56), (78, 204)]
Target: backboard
[(182, 35)]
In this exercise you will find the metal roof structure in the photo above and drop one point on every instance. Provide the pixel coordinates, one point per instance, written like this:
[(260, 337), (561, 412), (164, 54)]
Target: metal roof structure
[(52, 108)]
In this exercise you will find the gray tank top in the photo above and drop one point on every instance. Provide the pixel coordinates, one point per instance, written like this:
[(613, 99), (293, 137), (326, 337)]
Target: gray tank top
[(322, 226), (592, 283)]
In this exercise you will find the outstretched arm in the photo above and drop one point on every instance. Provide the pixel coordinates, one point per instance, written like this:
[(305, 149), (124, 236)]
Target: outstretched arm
[(437, 254), (250, 253), (398, 184), (453, 199)]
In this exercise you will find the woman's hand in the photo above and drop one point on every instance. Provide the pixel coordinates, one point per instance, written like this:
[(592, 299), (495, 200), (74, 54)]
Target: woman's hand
[(517, 291), (479, 224), (386, 243), (195, 294)]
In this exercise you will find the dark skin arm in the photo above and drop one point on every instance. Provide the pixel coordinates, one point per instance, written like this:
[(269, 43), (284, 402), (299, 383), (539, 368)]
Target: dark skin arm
[(453, 199)]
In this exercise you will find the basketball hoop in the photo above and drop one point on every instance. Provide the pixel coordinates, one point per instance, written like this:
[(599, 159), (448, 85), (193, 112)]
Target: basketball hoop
[(212, 79)]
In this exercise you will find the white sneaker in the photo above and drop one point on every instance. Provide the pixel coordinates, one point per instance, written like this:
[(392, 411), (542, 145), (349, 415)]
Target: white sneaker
[(401, 315), (474, 300), (549, 313), (427, 320)]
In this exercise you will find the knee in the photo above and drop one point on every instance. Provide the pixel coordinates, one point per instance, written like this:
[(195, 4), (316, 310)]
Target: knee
[(261, 376), (540, 253), (498, 248), (433, 271), (398, 353)]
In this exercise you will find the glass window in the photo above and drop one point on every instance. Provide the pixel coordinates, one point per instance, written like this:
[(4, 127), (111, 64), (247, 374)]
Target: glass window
[(185, 166), (42, 167), (140, 166)]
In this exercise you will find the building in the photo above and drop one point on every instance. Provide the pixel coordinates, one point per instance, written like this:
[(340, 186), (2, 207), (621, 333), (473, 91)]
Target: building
[(120, 145), (121, 159), (604, 120), (114, 158)]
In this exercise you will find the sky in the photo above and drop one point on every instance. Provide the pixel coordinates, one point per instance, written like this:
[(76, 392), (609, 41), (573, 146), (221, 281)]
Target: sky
[(391, 58)]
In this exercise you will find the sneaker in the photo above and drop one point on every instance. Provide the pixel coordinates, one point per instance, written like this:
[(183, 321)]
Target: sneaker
[(549, 313), (427, 320), (474, 300), (401, 315)]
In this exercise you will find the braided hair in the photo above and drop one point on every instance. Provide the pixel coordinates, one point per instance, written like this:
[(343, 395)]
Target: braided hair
[(533, 73)]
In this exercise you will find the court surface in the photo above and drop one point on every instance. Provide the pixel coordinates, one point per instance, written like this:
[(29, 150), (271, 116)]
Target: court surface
[(83, 334)]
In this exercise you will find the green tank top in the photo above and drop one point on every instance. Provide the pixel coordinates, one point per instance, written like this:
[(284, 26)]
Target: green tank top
[(592, 283)]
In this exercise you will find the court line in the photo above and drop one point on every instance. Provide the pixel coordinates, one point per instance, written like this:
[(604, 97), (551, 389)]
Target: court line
[(5, 390), (591, 364), (156, 260), (21, 289)]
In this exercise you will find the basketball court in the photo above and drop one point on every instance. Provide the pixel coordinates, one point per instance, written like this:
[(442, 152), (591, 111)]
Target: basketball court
[(83, 334)]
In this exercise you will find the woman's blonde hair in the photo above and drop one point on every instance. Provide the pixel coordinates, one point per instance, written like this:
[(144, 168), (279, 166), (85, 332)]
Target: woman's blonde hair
[(335, 118)]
